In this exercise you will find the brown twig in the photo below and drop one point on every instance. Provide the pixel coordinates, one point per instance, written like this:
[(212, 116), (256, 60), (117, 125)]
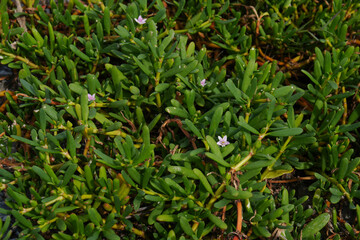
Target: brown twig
[(223, 217), (87, 145), (239, 221), (353, 41), (179, 123), (269, 58), (132, 125), (2, 93), (21, 20)]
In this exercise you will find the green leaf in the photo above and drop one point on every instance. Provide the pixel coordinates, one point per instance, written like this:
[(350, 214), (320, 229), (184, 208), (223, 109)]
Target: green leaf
[(89, 176), (247, 75), (38, 37), (4, 227), (167, 218), (156, 212), (213, 146), (272, 104), (134, 174), (311, 77), (216, 118), (184, 223), (22, 220), (203, 180), (41, 173), (110, 234), (65, 209), (315, 225), (29, 87), (51, 173), (51, 112), (174, 185), (70, 144), (183, 171), (245, 125), (283, 91), (80, 54), (102, 119), (327, 62), (173, 71), (269, 174), (300, 141), (134, 90), (118, 104), (92, 82), (286, 132), (94, 216), (160, 15), (217, 221), (69, 174), (234, 194), (261, 231), (128, 178), (234, 91), (107, 20), (218, 159), (145, 69), (84, 106), (291, 117), (42, 119), (189, 68), (177, 112), (162, 87), (5, 174), (348, 128), (25, 140), (319, 56), (165, 42), (259, 164), (17, 197), (194, 129), (343, 167), (95, 235), (107, 160)]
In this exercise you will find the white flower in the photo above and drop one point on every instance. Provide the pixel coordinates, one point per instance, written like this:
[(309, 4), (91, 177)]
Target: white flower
[(203, 82), (13, 45), (223, 141), (91, 97), (140, 20)]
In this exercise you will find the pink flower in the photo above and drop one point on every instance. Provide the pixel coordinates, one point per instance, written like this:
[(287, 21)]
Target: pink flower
[(223, 141), (140, 20), (203, 82), (91, 97)]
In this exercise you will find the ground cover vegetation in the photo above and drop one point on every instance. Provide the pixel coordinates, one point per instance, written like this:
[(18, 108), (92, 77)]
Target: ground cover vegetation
[(180, 119)]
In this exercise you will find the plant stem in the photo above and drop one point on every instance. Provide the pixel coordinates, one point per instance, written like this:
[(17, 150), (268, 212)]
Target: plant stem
[(338, 185), (157, 81), (216, 195), (24, 60)]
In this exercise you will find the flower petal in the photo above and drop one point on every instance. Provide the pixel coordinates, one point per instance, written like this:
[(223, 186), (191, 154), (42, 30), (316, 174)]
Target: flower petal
[(91, 97)]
